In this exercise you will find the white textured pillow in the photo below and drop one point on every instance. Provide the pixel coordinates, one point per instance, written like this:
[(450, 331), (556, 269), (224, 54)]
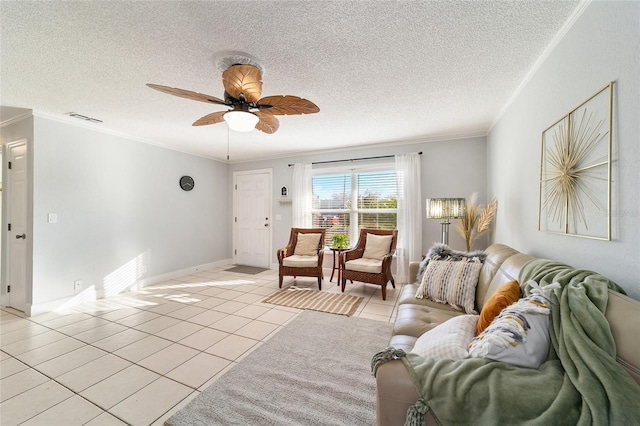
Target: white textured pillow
[(377, 246), (452, 282), (448, 340), (307, 245), (519, 335)]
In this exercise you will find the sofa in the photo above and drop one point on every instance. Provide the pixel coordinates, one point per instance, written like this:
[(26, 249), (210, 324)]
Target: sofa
[(396, 392)]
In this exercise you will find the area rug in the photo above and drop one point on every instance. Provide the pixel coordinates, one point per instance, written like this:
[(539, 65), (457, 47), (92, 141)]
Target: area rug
[(251, 270), (315, 371), (304, 298)]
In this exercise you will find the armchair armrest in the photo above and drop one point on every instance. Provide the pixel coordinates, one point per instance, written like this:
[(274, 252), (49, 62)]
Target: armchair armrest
[(285, 252), (350, 255), (387, 259), (386, 262)]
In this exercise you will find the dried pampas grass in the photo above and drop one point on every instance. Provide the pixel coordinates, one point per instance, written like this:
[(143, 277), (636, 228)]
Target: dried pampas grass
[(477, 219)]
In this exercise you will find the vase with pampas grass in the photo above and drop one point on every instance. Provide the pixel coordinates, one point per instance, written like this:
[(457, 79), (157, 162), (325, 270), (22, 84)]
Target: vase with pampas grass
[(477, 219)]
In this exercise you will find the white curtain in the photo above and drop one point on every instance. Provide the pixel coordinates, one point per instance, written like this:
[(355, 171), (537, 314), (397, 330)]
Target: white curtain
[(302, 195), (409, 247)]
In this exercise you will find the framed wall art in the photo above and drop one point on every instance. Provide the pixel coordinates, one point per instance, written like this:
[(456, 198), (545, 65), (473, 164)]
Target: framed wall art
[(575, 170)]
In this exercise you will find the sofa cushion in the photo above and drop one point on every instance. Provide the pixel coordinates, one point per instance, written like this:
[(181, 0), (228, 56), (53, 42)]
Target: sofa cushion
[(503, 297), (408, 296), (402, 341), (451, 282), (296, 261), (449, 340), (372, 266), (377, 246), (415, 320), (307, 244)]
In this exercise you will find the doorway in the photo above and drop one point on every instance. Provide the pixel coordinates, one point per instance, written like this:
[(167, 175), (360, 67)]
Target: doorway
[(14, 193), (252, 218)]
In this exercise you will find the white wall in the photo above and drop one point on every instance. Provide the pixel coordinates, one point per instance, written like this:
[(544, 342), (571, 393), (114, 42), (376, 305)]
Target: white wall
[(451, 168), (121, 215), (603, 45)]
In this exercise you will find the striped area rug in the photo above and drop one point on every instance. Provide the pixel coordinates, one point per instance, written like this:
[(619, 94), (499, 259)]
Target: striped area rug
[(302, 298)]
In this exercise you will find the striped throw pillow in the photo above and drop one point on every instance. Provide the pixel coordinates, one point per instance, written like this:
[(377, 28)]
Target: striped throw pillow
[(452, 282)]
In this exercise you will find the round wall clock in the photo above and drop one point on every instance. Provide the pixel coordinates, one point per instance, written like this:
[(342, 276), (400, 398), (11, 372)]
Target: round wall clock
[(187, 183)]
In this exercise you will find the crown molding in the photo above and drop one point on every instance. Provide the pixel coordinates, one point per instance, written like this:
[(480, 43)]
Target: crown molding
[(16, 119), (443, 137), (99, 127)]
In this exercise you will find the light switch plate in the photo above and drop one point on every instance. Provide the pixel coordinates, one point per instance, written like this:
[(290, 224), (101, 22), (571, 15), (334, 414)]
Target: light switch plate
[(52, 218)]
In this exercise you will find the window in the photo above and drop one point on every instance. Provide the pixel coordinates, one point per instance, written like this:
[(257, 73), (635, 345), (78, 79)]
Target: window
[(347, 202)]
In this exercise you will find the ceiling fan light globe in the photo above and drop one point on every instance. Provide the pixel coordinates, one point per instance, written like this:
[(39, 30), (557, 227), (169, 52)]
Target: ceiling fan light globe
[(241, 121)]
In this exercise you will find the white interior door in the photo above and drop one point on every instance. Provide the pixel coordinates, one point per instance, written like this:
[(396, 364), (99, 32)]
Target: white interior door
[(253, 218), (17, 220)]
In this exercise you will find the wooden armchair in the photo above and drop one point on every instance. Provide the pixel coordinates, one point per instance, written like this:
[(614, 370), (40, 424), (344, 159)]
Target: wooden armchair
[(303, 255), (370, 263)]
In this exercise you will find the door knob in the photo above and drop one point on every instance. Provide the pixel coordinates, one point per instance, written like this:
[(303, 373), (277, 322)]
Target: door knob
[(23, 236)]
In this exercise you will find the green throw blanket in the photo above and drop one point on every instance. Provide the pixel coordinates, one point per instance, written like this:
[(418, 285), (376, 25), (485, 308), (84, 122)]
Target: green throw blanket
[(581, 382)]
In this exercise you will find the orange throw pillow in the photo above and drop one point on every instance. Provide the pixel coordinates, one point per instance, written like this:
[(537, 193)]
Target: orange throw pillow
[(503, 297)]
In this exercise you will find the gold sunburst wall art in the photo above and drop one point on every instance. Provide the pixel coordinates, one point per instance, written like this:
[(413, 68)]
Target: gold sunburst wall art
[(575, 170)]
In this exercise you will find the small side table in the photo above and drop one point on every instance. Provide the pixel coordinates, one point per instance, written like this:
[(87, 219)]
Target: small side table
[(336, 263)]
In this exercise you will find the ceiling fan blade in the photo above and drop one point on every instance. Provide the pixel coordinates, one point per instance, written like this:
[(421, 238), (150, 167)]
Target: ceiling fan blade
[(287, 105), (216, 117), (187, 94), (243, 80), (268, 123)]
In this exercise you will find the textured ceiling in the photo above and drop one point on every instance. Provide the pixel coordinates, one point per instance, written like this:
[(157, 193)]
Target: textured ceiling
[(380, 71)]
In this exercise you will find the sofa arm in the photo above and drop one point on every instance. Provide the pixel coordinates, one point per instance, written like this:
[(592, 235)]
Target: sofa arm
[(414, 267), (395, 393)]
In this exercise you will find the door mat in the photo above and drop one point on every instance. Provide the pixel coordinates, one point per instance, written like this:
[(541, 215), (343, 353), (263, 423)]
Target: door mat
[(251, 270), (302, 298)]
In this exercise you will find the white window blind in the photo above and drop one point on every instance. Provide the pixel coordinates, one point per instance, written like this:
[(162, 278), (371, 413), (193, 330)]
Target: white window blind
[(347, 202)]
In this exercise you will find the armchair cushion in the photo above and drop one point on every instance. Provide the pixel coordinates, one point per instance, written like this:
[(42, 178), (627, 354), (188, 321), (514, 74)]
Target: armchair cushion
[(307, 245), (372, 266), (297, 261), (377, 246)]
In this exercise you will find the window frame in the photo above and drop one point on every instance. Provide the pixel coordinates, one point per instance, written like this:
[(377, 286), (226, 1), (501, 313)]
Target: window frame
[(354, 211)]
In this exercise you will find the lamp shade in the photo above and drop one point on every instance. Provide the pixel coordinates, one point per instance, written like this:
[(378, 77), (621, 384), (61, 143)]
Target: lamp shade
[(241, 121), (445, 208)]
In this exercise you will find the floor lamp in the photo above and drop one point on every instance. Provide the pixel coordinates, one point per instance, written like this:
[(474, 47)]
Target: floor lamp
[(445, 209)]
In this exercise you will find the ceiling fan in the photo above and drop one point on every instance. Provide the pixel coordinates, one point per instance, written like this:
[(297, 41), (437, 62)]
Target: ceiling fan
[(242, 89)]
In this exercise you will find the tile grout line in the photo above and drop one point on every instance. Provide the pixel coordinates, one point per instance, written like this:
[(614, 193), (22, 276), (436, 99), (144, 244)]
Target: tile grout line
[(92, 314)]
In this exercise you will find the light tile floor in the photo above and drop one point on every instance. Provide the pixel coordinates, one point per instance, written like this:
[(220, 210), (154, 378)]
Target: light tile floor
[(138, 357)]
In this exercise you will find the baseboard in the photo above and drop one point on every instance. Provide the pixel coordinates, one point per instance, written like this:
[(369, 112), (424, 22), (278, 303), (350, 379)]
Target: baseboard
[(90, 294), (180, 273)]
